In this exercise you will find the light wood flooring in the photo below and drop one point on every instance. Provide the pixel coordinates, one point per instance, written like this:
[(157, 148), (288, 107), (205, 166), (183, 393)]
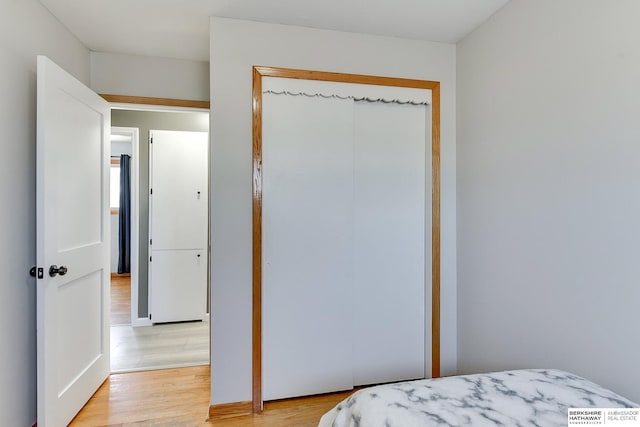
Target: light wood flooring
[(120, 300), (152, 347), (159, 346), (180, 397)]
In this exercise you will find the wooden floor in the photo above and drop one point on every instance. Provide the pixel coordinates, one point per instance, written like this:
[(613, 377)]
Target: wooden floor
[(159, 346), (152, 347), (302, 412), (120, 300), (180, 397)]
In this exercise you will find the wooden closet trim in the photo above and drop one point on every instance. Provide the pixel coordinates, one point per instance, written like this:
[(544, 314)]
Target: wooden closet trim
[(434, 87)]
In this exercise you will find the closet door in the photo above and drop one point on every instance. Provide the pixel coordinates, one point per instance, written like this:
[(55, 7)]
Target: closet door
[(307, 245), (390, 202), (180, 189), (178, 226), (179, 285)]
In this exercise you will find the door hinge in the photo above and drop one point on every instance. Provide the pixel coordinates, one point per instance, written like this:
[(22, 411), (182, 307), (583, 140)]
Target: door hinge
[(150, 258), (151, 140), (37, 272), (151, 191), (149, 316), (151, 241)]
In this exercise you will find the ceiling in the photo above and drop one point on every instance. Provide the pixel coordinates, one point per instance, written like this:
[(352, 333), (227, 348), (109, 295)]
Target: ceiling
[(180, 28)]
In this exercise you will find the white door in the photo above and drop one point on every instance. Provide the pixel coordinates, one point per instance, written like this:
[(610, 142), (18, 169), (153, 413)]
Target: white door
[(178, 225), (307, 245), (345, 253), (72, 181), (390, 206), (179, 290)]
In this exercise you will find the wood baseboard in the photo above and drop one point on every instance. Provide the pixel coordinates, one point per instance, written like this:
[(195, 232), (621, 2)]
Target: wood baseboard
[(230, 410)]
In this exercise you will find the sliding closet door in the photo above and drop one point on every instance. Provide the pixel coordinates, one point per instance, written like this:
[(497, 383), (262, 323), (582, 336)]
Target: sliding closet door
[(307, 245), (390, 202)]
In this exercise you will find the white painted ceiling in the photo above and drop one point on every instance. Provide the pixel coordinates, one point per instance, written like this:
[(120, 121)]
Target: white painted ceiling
[(180, 28)]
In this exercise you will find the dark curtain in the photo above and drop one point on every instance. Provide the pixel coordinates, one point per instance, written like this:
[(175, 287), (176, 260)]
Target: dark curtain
[(124, 217)]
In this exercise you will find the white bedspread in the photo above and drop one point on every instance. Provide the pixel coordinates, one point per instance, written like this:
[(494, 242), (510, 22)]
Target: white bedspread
[(532, 397)]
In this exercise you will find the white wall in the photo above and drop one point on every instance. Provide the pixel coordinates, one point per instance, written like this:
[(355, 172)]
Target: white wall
[(120, 147), (149, 76), (26, 29), (548, 190), (235, 47)]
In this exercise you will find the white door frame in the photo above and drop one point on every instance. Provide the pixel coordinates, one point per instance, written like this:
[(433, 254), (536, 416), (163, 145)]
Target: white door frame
[(133, 133)]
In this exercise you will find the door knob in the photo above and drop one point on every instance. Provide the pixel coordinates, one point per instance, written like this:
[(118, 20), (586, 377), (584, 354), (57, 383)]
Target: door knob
[(54, 270)]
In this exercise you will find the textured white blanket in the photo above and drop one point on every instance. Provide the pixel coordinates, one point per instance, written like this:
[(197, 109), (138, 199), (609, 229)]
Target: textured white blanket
[(532, 397)]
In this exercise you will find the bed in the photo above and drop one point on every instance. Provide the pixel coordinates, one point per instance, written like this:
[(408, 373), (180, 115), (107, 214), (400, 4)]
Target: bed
[(531, 397)]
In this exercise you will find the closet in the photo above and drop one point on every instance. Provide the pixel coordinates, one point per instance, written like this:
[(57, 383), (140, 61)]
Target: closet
[(178, 226), (346, 243)]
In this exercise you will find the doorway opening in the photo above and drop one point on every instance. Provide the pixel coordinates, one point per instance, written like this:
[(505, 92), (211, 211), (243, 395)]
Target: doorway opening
[(124, 246), (139, 342)]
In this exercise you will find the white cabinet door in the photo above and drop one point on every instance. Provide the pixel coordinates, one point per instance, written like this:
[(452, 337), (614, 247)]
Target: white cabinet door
[(179, 290), (179, 207), (72, 207), (307, 248), (390, 202), (178, 226)]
